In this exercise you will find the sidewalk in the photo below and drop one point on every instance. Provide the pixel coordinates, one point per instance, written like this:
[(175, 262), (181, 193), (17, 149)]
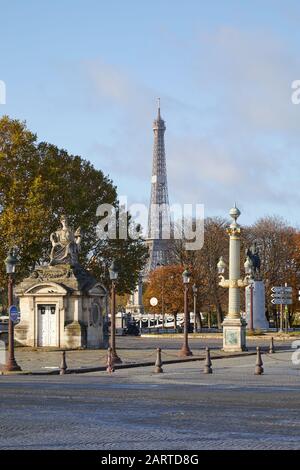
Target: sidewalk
[(292, 335), (48, 362), (134, 352)]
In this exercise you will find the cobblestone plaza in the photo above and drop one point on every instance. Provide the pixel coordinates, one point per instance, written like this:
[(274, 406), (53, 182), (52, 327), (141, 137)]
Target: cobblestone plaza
[(181, 409)]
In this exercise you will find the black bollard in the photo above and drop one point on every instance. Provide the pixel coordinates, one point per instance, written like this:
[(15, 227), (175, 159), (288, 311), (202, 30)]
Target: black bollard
[(110, 362), (208, 363), (158, 364), (272, 349), (63, 364), (259, 363)]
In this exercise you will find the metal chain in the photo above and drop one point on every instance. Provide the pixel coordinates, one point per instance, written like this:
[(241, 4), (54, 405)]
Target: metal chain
[(275, 358), (176, 354), (150, 355)]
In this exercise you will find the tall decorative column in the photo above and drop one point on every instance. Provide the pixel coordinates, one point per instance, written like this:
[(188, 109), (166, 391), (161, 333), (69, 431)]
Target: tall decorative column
[(234, 327)]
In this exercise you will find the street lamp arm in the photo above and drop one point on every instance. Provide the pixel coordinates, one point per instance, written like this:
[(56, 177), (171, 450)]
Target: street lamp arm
[(245, 282), (224, 282)]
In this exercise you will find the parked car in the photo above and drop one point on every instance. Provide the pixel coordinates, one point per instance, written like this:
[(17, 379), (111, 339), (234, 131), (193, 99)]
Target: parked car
[(4, 324), (180, 328), (4, 319)]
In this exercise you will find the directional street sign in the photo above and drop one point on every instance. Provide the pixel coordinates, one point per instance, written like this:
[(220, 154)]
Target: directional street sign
[(282, 301), (282, 289), (13, 313), (289, 295), (282, 295)]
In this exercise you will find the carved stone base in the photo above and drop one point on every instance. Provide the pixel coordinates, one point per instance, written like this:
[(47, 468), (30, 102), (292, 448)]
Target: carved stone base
[(75, 335), (21, 335), (234, 335), (258, 306)]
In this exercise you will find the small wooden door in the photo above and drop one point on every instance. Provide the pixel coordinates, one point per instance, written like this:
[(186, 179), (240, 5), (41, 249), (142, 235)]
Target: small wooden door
[(47, 325)]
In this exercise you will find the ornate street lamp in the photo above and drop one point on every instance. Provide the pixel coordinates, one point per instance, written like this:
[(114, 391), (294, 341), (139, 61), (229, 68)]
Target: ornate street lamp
[(10, 263), (161, 265), (221, 266), (113, 274), (185, 350), (11, 363), (234, 327), (195, 290)]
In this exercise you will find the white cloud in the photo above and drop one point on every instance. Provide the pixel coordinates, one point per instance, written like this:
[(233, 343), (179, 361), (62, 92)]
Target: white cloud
[(251, 74), (240, 146)]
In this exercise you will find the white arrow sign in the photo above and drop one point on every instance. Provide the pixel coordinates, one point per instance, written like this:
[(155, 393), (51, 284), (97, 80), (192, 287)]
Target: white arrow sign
[(287, 295), (282, 289), (281, 301)]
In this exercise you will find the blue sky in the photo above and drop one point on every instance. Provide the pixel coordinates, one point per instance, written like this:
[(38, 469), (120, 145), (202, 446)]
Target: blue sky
[(85, 76)]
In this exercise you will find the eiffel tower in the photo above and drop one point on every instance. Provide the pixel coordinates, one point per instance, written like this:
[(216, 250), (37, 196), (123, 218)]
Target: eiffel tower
[(159, 222)]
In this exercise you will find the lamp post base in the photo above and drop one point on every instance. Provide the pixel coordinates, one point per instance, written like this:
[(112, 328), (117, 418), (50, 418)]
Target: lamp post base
[(115, 358), (234, 335), (185, 351), (11, 366)]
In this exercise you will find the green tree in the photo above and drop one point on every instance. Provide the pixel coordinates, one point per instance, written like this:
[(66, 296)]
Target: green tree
[(22, 208), (38, 183), (129, 253)]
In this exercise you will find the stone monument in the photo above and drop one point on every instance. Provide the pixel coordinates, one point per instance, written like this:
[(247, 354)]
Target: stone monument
[(255, 293), (61, 304), (135, 302)]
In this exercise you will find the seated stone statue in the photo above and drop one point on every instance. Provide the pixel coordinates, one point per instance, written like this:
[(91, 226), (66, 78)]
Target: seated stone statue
[(65, 245)]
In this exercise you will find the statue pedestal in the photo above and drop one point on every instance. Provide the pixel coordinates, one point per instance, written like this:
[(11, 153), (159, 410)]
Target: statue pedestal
[(234, 335), (258, 306), (135, 304), (61, 306)]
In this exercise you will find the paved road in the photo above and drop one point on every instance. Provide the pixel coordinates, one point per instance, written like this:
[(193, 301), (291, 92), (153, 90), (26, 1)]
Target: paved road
[(180, 409)]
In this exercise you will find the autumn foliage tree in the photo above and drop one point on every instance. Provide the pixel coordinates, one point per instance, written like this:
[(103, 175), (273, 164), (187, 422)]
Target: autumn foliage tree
[(279, 250), (279, 247), (203, 266), (165, 283), (213, 298)]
